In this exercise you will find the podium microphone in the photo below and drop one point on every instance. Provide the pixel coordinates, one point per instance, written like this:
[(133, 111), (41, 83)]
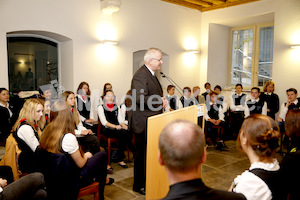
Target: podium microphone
[(172, 82)]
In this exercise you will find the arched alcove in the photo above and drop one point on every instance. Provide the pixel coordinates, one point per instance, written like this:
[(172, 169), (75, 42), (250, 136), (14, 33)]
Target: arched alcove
[(138, 61), (64, 57)]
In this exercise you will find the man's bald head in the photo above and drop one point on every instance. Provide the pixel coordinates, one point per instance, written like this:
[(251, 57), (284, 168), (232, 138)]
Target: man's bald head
[(181, 146)]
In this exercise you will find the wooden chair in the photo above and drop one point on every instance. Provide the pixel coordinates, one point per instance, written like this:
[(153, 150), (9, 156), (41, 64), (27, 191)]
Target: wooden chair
[(90, 189), (220, 130), (106, 139), (109, 142)]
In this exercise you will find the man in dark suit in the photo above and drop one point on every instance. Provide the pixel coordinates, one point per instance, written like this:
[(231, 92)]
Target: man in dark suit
[(182, 151), (148, 100)]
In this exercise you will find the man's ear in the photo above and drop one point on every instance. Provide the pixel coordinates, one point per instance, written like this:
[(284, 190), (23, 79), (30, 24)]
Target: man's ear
[(204, 156), (161, 162)]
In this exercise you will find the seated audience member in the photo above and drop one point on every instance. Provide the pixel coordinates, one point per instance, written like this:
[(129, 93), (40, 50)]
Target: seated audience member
[(292, 103), (220, 97), (125, 107), (290, 164), (31, 186), (237, 103), (85, 137), (207, 87), (173, 100), (107, 86), (255, 105), (198, 99), (271, 98), (186, 99), (113, 126), (27, 132), (214, 116), (7, 117), (59, 137), (258, 138), (182, 152), (46, 91), (84, 106)]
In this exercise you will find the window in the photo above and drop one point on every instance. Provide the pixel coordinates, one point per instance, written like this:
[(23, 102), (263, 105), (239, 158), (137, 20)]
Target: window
[(251, 55), (32, 62)]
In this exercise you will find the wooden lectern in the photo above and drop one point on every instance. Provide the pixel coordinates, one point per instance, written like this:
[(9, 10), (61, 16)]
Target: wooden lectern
[(157, 184)]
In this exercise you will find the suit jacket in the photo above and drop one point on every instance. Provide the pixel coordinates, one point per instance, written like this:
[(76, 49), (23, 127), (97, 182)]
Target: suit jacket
[(143, 86), (195, 189)]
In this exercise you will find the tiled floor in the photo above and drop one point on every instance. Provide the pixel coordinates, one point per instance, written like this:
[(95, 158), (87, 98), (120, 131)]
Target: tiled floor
[(220, 168)]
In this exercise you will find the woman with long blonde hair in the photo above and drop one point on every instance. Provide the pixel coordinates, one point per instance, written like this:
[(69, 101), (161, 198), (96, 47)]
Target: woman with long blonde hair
[(27, 132), (258, 138), (59, 137)]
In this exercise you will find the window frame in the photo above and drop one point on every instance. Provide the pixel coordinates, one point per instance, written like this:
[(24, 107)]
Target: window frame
[(255, 52)]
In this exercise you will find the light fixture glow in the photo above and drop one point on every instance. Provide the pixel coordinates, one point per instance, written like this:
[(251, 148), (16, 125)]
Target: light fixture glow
[(192, 51), (295, 46), (112, 42)]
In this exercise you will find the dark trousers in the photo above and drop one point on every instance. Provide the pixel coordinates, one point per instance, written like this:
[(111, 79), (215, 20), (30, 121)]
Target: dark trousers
[(95, 169), (212, 133), (30, 186), (89, 143), (124, 141), (6, 173), (236, 121), (139, 180)]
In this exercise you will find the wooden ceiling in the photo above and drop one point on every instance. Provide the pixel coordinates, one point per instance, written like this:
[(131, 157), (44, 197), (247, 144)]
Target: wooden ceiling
[(206, 5)]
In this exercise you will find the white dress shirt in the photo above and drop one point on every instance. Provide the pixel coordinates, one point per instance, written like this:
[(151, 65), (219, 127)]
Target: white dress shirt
[(234, 107), (253, 187), (103, 119), (284, 110), (247, 111), (7, 107), (221, 112)]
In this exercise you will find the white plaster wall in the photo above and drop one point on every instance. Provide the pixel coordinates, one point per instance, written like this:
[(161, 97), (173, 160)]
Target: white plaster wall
[(138, 25), (217, 70), (286, 66)]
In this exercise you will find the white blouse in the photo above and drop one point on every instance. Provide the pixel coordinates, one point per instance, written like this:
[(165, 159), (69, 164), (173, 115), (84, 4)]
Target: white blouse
[(102, 116), (26, 133), (69, 143), (253, 187)]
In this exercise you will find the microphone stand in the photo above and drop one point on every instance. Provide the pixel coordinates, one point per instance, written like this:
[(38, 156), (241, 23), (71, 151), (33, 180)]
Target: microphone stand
[(172, 82)]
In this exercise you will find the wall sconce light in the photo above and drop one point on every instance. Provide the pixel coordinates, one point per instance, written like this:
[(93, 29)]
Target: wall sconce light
[(295, 46), (109, 7), (112, 42), (192, 51)]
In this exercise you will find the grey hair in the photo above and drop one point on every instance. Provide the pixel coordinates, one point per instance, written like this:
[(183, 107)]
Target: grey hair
[(151, 54)]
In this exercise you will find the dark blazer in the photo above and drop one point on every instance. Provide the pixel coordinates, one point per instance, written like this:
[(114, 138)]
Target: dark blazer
[(195, 189), (145, 81)]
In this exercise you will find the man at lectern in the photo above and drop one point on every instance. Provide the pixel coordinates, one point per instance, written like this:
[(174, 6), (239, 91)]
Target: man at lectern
[(182, 151), (147, 100)]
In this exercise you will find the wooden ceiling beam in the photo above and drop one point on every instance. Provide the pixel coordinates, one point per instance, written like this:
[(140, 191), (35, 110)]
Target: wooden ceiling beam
[(201, 3), (185, 4), (228, 4)]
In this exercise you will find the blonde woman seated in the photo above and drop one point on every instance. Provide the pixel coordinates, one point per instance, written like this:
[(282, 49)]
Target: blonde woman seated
[(114, 127), (258, 138), (59, 137), (27, 132)]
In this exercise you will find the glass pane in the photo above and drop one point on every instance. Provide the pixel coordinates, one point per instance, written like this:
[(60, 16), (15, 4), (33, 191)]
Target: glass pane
[(32, 63), (265, 55), (241, 62)]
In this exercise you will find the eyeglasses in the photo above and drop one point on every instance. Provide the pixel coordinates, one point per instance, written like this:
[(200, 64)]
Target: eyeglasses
[(159, 60)]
